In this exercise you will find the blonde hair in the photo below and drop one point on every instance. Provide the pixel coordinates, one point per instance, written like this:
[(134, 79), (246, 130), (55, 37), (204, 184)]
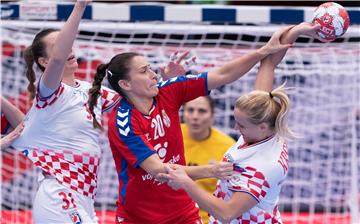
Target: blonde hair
[(269, 107)]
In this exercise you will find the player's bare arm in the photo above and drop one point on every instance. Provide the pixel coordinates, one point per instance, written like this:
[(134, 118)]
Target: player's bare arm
[(238, 67), (218, 170), (61, 52), (225, 211), (265, 76), (8, 139), (12, 114), (153, 166)]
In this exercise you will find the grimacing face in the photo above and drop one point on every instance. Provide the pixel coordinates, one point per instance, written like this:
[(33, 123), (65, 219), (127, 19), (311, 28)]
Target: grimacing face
[(198, 115), (142, 79)]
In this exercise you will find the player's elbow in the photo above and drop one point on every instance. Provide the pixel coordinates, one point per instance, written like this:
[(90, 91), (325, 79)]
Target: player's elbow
[(155, 171), (153, 166)]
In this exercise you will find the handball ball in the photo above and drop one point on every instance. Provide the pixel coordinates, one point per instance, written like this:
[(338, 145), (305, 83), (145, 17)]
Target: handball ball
[(333, 19)]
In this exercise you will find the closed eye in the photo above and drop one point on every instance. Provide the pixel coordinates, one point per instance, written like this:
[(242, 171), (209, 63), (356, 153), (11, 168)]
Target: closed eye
[(145, 69), (202, 111), (240, 126)]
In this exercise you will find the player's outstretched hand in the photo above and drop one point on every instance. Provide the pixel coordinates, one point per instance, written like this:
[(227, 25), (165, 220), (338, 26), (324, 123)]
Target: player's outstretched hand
[(177, 65), (310, 29), (8, 139), (221, 170), (274, 45)]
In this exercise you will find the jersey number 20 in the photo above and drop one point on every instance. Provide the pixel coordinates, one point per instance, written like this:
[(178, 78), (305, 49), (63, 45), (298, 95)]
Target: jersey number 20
[(158, 126)]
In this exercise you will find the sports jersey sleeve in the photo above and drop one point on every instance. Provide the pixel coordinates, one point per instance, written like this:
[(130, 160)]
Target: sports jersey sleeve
[(131, 141), (182, 89), (109, 98), (42, 102), (43, 90), (249, 180)]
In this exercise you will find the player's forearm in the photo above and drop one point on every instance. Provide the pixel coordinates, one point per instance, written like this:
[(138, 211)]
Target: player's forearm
[(153, 165), (235, 69), (265, 75), (8, 139), (209, 171), (287, 38), (67, 35), (12, 114), (198, 172), (215, 206), (62, 47)]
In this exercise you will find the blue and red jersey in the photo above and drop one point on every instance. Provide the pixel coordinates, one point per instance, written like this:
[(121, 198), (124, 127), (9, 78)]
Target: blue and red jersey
[(135, 136)]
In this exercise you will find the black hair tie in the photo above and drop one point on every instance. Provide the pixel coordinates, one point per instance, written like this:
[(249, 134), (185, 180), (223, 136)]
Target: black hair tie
[(271, 96)]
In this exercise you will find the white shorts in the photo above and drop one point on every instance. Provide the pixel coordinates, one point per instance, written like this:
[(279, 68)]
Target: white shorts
[(55, 203)]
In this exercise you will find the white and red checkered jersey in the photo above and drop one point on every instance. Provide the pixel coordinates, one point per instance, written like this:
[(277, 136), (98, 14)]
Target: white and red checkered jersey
[(59, 136), (260, 170)]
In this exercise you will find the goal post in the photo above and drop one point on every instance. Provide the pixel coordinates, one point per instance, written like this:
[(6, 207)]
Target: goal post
[(323, 181)]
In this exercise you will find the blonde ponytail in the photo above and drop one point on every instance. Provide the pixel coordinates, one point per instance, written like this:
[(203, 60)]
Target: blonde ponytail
[(281, 122)]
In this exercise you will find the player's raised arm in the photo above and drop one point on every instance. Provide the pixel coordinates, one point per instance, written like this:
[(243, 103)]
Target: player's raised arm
[(62, 47), (265, 75), (238, 67)]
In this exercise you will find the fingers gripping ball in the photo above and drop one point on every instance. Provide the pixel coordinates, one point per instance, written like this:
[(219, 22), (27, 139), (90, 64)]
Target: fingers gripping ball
[(333, 18)]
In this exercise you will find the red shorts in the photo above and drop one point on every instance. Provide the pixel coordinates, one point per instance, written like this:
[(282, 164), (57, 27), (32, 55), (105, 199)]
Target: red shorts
[(192, 217)]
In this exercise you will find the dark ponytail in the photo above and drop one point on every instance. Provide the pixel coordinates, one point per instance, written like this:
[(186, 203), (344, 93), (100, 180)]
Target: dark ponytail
[(94, 92), (32, 55), (30, 74), (117, 69)]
